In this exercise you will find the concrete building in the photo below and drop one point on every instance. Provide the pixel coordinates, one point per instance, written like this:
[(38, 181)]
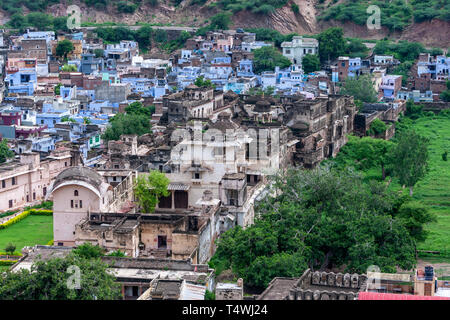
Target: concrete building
[(296, 49), (28, 179), (78, 191)]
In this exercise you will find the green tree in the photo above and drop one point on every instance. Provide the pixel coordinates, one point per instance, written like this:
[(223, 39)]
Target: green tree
[(63, 48), (267, 58), (60, 24), (58, 89), (377, 127), (414, 216), (99, 53), (138, 108), (10, 248), (17, 21), (221, 21), (361, 88), (5, 151), (150, 188), (320, 218), (331, 44), (67, 118), (445, 95), (365, 153), (412, 110), (126, 124), (86, 120), (356, 48), (310, 63), (410, 158), (40, 21), (126, 7), (143, 36), (47, 280), (201, 82), (88, 251)]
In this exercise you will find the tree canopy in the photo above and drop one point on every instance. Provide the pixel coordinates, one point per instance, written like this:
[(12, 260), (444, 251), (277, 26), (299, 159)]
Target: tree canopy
[(63, 48), (320, 218), (310, 63), (331, 44), (361, 88), (5, 151), (55, 279), (201, 82), (267, 58), (150, 188), (410, 158), (136, 120)]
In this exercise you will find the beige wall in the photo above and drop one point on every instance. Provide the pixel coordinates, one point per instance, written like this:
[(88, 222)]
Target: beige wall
[(64, 217)]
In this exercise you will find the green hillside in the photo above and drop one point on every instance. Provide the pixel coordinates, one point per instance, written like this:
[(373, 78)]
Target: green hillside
[(395, 14)]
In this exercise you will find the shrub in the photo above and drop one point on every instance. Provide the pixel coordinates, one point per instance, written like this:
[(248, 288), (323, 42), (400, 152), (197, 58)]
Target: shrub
[(210, 295), (444, 156), (117, 253), (126, 7), (295, 8), (377, 127), (7, 263)]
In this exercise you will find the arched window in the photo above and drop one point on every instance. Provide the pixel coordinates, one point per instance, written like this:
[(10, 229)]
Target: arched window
[(75, 193)]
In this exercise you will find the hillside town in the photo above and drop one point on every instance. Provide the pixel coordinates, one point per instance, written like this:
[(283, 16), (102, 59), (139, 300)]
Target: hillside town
[(156, 158)]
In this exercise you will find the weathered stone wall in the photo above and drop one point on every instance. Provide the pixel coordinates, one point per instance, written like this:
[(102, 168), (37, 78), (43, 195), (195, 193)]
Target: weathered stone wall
[(328, 286)]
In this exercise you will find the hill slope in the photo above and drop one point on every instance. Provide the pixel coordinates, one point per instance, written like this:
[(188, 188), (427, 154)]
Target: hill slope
[(400, 19)]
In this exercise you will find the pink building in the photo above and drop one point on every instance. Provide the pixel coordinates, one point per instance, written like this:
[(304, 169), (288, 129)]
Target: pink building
[(27, 181)]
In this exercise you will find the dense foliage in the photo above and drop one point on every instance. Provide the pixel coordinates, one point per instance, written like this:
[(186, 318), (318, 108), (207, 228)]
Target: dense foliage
[(136, 120), (5, 151), (410, 158), (402, 50), (201, 82), (51, 280), (271, 35), (145, 35), (360, 88), (38, 20), (255, 6), (267, 58), (445, 95), (310, 63), (395, 15), (331, 44), (63, 48), (149, 189), (321, 218)]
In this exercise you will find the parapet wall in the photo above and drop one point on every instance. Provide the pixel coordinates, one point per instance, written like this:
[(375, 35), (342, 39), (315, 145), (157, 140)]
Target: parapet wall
[(328, 286)]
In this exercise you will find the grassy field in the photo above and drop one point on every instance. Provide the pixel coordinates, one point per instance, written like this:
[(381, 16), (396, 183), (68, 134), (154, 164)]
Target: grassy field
[(434, 189), (28, 232)]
